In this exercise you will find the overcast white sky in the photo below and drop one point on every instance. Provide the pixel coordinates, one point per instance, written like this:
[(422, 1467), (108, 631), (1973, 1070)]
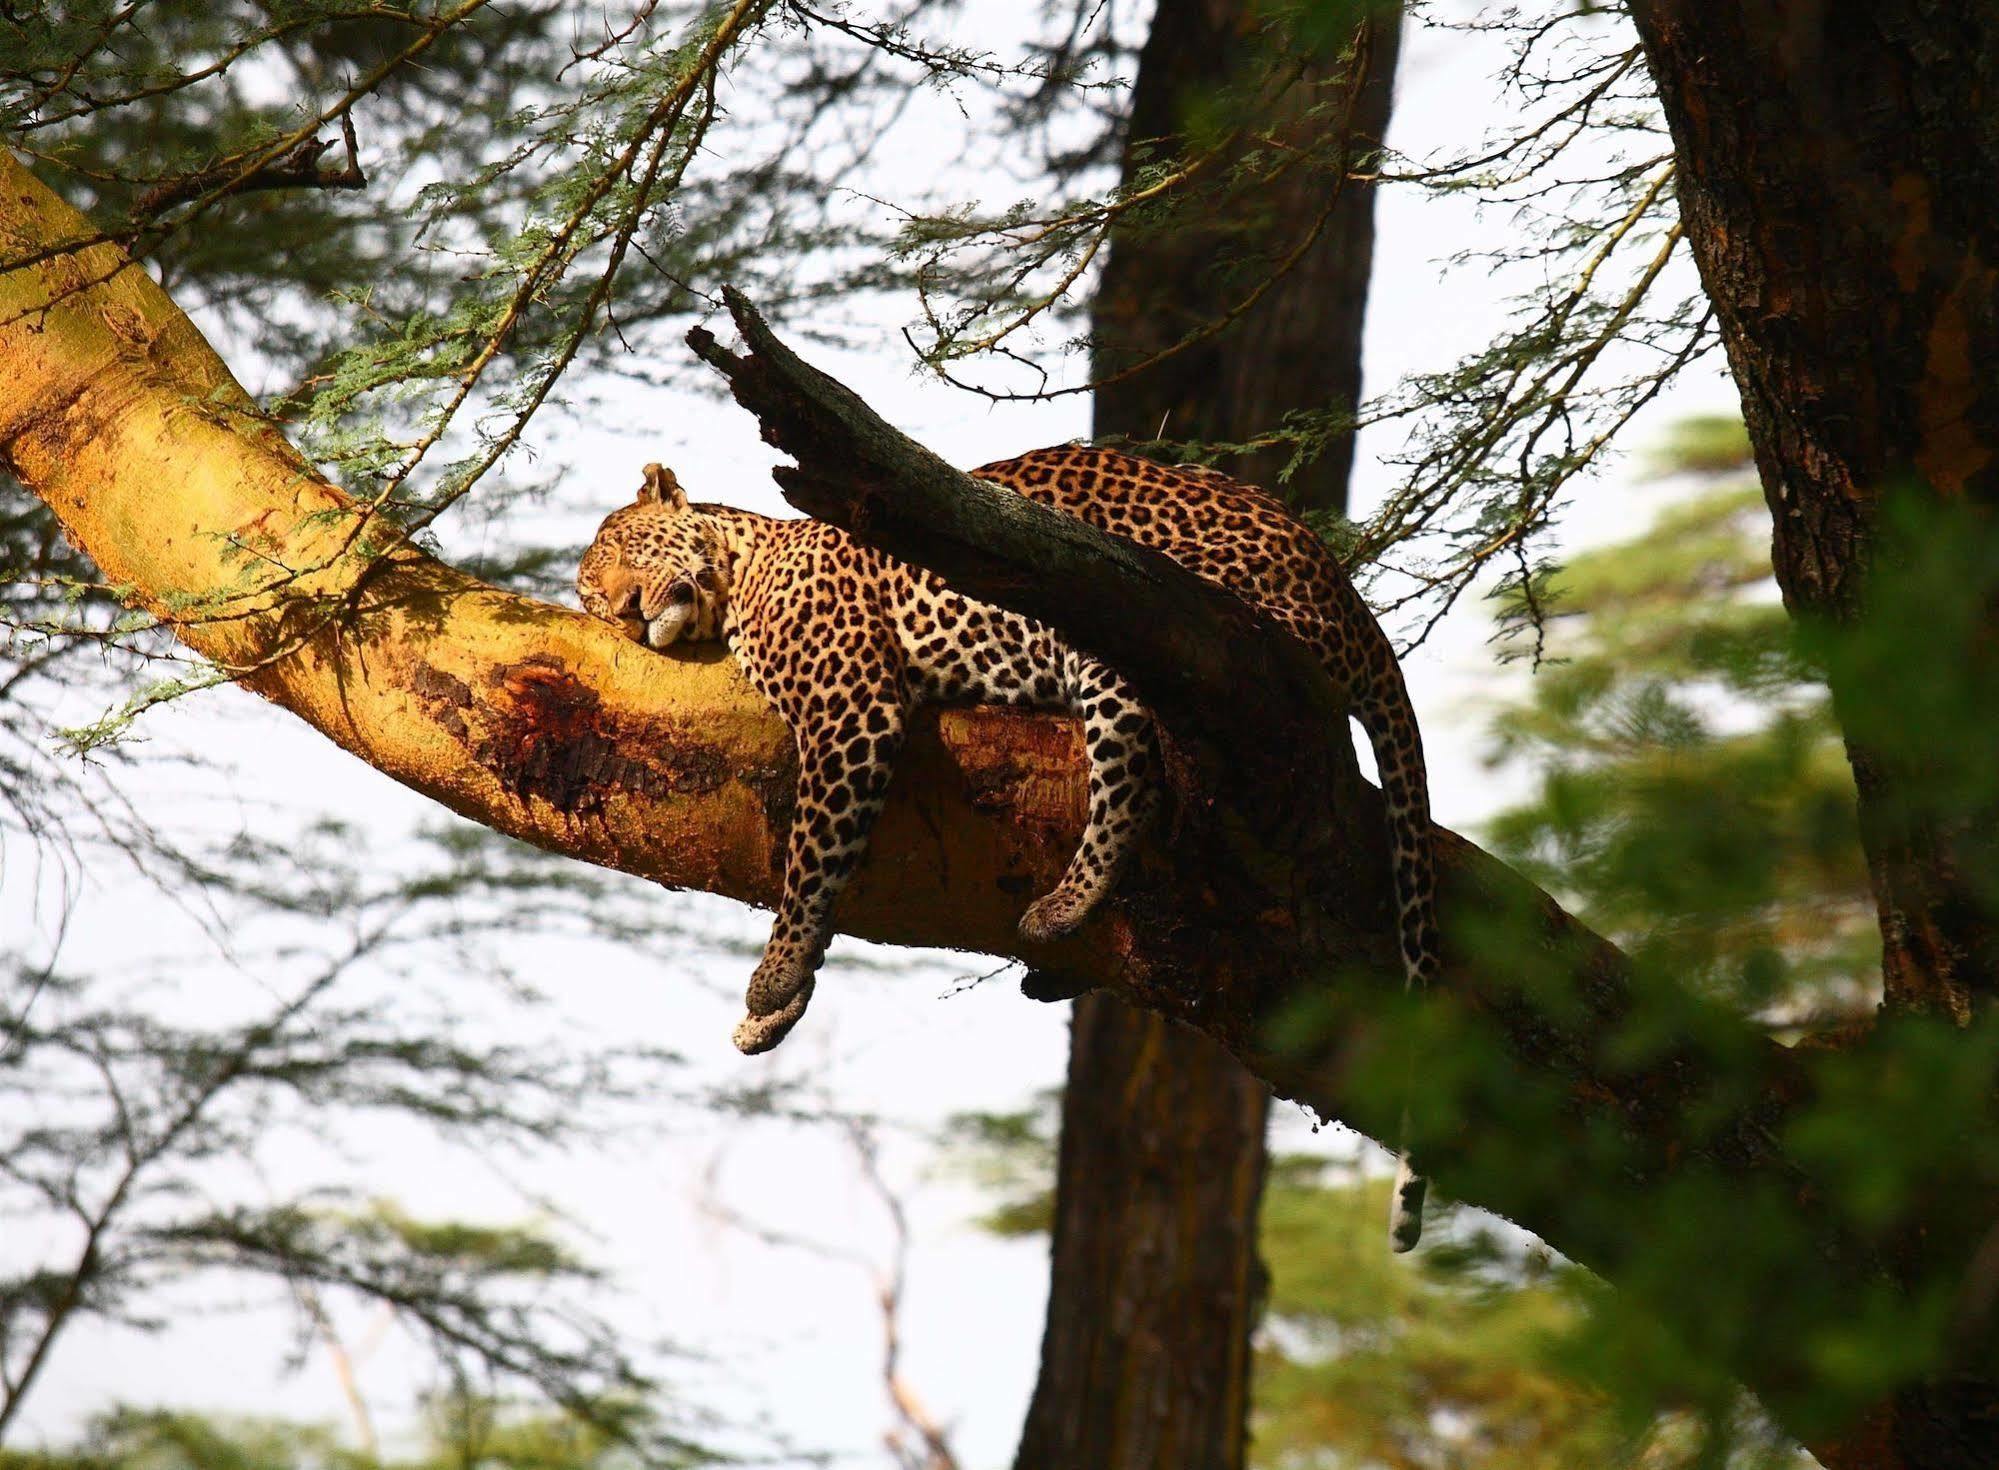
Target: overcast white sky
[(800, 1335)]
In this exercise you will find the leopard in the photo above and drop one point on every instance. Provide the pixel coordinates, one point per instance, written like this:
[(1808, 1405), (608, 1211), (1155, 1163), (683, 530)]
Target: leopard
[(846, 642)]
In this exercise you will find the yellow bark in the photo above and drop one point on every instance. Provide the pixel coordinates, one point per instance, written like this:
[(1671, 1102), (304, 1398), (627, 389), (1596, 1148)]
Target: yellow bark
[(522, 715)]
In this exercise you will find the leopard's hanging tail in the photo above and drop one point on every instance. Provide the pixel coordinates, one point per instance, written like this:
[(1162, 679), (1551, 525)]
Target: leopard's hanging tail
[(1388, 717)]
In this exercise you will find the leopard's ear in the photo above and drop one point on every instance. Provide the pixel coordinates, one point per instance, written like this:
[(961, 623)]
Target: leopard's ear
[(661, 488)]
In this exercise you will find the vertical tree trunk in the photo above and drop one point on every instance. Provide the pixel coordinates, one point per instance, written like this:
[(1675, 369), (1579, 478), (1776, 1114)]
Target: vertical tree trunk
[(1837, 166), (1299, 346), (1838, 162), (1155, 1282)]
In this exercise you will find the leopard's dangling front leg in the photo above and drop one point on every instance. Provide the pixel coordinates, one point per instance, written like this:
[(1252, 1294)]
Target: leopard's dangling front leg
[(1124, 792), (845, 759)]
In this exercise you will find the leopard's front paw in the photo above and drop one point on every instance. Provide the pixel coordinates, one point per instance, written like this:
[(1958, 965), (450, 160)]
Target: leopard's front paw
[(759, 1033), (777, 997), (1054, 916)]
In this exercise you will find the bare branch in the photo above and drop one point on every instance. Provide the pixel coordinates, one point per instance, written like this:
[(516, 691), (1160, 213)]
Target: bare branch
[(297, 169)]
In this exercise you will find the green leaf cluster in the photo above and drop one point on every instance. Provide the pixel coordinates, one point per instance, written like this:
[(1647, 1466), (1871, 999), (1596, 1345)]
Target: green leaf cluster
[(1693, 799), (1464, 1356)]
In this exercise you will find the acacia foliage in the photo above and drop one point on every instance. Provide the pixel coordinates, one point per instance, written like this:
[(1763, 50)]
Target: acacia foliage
[(506, 192)]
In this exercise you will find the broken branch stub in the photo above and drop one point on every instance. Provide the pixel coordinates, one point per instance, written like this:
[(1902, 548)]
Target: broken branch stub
[(1191, 649)]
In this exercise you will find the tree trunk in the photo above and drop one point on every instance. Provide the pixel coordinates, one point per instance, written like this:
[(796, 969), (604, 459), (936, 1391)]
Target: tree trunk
[(1153, 1267), (1298, 347), (1155, 1279), (1838, 162), (1837, 166)]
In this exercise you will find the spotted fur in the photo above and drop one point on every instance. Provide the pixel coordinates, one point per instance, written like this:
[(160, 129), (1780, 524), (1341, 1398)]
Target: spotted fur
[(846, 641)]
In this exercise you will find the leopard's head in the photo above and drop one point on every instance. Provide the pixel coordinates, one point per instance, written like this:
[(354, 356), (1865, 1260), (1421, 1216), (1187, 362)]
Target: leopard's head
[(658, 568)]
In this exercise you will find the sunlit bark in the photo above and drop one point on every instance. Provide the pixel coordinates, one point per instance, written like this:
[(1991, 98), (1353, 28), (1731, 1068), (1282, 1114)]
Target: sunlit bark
[(527, 717)]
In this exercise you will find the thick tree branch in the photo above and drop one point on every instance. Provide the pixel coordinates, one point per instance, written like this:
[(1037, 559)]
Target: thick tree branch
[(532, 719), (1195, 653), (1523, 975), (540, 723)]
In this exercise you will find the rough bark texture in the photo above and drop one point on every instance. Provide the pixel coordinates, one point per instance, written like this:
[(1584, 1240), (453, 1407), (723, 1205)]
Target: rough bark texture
[(1838, 160), (537, 722), (1155, 1281), (1838, 163), (1297, 348), (1153, 1285)]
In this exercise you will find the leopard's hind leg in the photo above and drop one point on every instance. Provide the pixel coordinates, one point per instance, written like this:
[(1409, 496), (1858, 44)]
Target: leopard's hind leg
[(1124, 792), (846, 754)]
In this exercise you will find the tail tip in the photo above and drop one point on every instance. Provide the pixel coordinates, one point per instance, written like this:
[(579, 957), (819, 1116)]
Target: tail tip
[(1405, 1208)]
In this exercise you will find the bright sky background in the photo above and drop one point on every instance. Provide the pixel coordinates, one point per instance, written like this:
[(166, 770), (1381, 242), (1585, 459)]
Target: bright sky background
[(798, 1337)]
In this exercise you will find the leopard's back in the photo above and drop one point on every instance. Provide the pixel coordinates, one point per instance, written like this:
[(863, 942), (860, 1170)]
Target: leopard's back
[(1232, 534)]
